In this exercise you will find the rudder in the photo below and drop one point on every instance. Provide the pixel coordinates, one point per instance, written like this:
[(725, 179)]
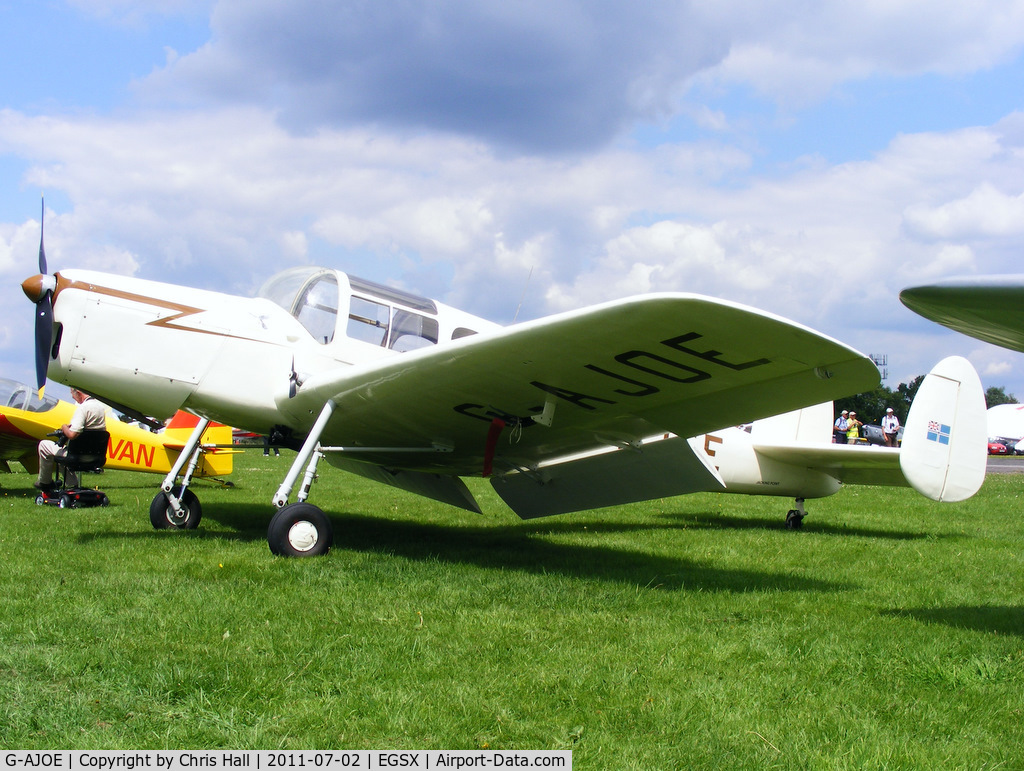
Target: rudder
[(944, 449)]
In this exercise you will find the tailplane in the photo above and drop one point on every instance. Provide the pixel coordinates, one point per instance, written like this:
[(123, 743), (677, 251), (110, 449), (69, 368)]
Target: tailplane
[(945, 444)]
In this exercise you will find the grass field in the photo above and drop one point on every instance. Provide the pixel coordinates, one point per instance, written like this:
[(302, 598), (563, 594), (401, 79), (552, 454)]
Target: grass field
[(693, 632)]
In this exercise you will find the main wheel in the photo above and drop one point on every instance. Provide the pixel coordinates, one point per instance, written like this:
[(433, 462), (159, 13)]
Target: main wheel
[(300, 530), (794, 519), (163, 516), (66, 502)]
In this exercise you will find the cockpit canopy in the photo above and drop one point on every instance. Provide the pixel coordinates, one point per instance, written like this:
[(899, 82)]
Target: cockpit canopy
[(21, 397), (372, 313)]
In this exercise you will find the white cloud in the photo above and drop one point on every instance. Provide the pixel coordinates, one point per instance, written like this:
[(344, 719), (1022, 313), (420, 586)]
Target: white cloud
[(457, 147), (983, 213), (996, 368), (562, 75), (798, 51), (233, 191)]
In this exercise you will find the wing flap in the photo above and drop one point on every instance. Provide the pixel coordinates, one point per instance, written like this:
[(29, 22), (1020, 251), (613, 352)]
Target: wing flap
[(446, 489), (659, 469)]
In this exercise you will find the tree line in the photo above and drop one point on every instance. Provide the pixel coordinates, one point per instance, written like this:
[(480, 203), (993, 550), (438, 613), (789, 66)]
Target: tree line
[(871, 405)]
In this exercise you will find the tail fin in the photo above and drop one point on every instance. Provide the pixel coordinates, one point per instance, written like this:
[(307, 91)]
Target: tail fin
[(214, 463), (945, 443)]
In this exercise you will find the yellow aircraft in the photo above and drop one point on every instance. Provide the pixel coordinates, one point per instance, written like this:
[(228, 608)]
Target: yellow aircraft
[(25, 419)]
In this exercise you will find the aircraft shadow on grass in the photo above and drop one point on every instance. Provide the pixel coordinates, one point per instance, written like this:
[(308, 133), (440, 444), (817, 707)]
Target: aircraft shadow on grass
[(1000, 619), (694, 520), (713, 521), (515, 547)]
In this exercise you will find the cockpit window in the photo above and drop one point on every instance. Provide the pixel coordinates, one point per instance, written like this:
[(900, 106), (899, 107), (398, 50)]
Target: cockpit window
[(391, 295), (282, 288), (317, 307), (310, 295), (368, 321), (411, 331)]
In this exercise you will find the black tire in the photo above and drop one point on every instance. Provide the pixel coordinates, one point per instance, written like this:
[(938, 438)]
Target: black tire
[(162, 516), (300, 530), (65, 502), (794, 520), (40, 500)]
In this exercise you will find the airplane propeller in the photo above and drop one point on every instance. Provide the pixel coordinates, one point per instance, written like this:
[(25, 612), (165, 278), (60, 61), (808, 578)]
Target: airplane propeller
[(39, 289), (293, 380)]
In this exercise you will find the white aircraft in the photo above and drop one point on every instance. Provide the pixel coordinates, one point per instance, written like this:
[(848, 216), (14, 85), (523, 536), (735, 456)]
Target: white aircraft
[(942, 456), (579, 410), (416, 394), (989, 308)]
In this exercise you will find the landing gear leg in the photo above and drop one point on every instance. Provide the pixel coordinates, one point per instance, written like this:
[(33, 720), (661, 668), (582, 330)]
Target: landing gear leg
[(302, 529), (795, 517), (175, 506)]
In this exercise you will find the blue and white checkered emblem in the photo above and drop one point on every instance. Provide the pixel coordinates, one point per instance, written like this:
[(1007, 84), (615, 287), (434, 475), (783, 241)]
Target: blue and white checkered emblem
[(937, 432)]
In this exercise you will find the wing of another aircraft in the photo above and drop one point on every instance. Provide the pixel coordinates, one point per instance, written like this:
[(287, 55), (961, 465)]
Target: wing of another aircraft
[(990, 308), (605, 376)]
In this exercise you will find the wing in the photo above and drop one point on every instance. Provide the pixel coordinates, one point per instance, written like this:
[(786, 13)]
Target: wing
[(604, 376), (15, 443), (990, 308)]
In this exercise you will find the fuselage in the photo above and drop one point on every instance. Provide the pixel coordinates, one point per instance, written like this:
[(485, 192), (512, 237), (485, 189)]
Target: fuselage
[(744, 470), (190, 348)]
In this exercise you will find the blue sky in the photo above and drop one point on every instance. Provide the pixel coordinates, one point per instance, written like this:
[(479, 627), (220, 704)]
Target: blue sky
[(809, 160)]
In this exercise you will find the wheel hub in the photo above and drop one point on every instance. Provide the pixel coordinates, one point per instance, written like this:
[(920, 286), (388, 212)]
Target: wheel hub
[(175, 518), (303, 536)]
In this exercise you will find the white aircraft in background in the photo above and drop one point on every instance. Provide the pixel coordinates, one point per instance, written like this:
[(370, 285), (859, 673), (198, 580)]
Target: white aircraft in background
[(989, 308)]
